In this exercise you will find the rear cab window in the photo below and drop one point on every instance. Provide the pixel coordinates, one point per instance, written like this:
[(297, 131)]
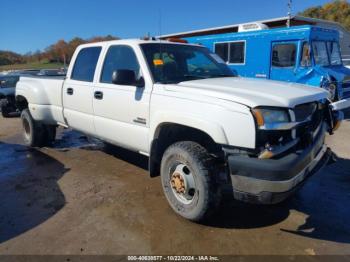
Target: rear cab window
[(85, 64)]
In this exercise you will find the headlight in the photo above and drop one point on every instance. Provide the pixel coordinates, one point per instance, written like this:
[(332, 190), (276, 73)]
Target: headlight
[(267, 118)]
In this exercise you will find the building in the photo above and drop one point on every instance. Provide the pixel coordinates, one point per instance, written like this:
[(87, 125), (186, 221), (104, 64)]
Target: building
[(344, 35)]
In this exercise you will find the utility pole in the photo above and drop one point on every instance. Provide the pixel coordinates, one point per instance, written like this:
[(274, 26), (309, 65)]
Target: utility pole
[(289, 12)]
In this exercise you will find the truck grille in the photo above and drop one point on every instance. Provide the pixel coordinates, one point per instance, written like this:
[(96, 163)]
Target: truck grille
[(304, 111), (313, 112)]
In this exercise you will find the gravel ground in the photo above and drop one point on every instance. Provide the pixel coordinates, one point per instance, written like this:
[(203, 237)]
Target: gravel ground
[(75, 198)]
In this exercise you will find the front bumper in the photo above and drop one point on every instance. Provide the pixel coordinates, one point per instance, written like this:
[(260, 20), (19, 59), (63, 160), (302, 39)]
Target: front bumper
[(269, 181)]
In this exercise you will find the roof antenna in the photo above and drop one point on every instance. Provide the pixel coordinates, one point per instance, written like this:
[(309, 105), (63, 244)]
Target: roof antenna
[(290, 2), (160, 40), (160, 24)]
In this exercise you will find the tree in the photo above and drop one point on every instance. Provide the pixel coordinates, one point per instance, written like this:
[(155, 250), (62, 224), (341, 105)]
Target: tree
[(337, 11), (102, 38), (61, 50), (9, 58), (73, 44)]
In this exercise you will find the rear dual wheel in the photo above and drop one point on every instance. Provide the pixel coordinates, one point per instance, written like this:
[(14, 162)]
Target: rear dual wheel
[(36, 134)]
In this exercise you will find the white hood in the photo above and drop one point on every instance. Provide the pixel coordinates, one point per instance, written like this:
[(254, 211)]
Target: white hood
[(252, 92)]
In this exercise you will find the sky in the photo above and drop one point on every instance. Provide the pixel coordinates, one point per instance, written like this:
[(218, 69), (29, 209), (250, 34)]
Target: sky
[(30, 25)]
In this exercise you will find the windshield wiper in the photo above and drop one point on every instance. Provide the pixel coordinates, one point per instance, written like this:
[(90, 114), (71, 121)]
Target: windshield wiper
[(166, 82), (195, 76), (192, 77)]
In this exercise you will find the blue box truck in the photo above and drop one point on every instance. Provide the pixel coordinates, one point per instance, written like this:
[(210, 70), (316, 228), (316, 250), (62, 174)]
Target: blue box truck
[(304, 54)]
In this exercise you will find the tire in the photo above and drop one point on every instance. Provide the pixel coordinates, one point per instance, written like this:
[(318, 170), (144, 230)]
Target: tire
[(50, 134), (200, 196), (36, 134), (5, 112)]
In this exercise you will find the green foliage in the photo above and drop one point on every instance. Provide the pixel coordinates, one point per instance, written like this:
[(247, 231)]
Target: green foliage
[(8, 58), (337, 11), (54, 55), (34, 65)]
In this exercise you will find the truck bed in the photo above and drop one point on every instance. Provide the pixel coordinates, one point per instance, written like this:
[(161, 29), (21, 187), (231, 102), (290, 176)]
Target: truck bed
[(46, 96)]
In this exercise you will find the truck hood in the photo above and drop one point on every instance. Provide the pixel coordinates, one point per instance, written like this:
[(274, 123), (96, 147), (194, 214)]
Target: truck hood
[(252, 92), (340, 73)]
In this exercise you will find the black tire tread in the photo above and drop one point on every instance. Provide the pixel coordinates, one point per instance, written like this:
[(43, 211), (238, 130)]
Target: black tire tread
[(39, 138), (208, 166), (5, 113)]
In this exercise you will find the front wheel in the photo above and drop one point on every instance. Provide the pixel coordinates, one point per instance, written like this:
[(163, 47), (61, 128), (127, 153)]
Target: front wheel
[(188, 180)]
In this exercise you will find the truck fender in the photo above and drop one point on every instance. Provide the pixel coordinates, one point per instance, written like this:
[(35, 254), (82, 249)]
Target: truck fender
[(214, 130), (34, 94)]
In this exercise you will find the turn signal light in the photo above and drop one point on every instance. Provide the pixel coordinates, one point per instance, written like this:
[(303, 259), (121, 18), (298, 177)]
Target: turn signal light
[(259, 117)]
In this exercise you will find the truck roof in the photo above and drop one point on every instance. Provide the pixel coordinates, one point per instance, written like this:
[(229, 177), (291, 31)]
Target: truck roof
[(133, 42), (234, 27), (285, 33)]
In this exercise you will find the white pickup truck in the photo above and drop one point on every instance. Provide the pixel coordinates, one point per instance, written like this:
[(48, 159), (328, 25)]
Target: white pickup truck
[(206, 132)]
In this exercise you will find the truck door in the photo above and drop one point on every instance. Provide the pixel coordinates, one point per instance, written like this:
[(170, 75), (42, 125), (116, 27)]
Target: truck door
[(284, 61), (122, 111), (78, 91)]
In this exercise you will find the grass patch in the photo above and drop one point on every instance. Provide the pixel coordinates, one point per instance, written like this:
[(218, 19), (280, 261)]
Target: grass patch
[(35, 65)]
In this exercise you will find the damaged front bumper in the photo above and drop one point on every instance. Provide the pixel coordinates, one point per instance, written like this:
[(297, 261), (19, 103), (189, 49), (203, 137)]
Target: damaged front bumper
[(269, 181), (275, 173)]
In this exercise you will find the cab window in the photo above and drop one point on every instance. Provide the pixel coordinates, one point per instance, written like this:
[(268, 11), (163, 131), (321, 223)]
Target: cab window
[(85, 64), (305, 60), (284, 55), (119, 57)]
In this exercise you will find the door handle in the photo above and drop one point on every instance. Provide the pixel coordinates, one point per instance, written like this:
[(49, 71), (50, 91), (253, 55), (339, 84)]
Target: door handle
[(70, 91), (98, 95)]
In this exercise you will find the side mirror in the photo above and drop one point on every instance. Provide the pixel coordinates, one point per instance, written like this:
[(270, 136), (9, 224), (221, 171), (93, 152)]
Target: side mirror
[(127, 77)]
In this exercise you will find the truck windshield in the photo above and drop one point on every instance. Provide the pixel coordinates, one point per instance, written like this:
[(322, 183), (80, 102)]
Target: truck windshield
[(174, 63), (326, 53), (334, 53)]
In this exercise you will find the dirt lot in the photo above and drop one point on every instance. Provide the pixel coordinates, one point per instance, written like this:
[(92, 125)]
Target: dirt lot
[(75, 198)]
